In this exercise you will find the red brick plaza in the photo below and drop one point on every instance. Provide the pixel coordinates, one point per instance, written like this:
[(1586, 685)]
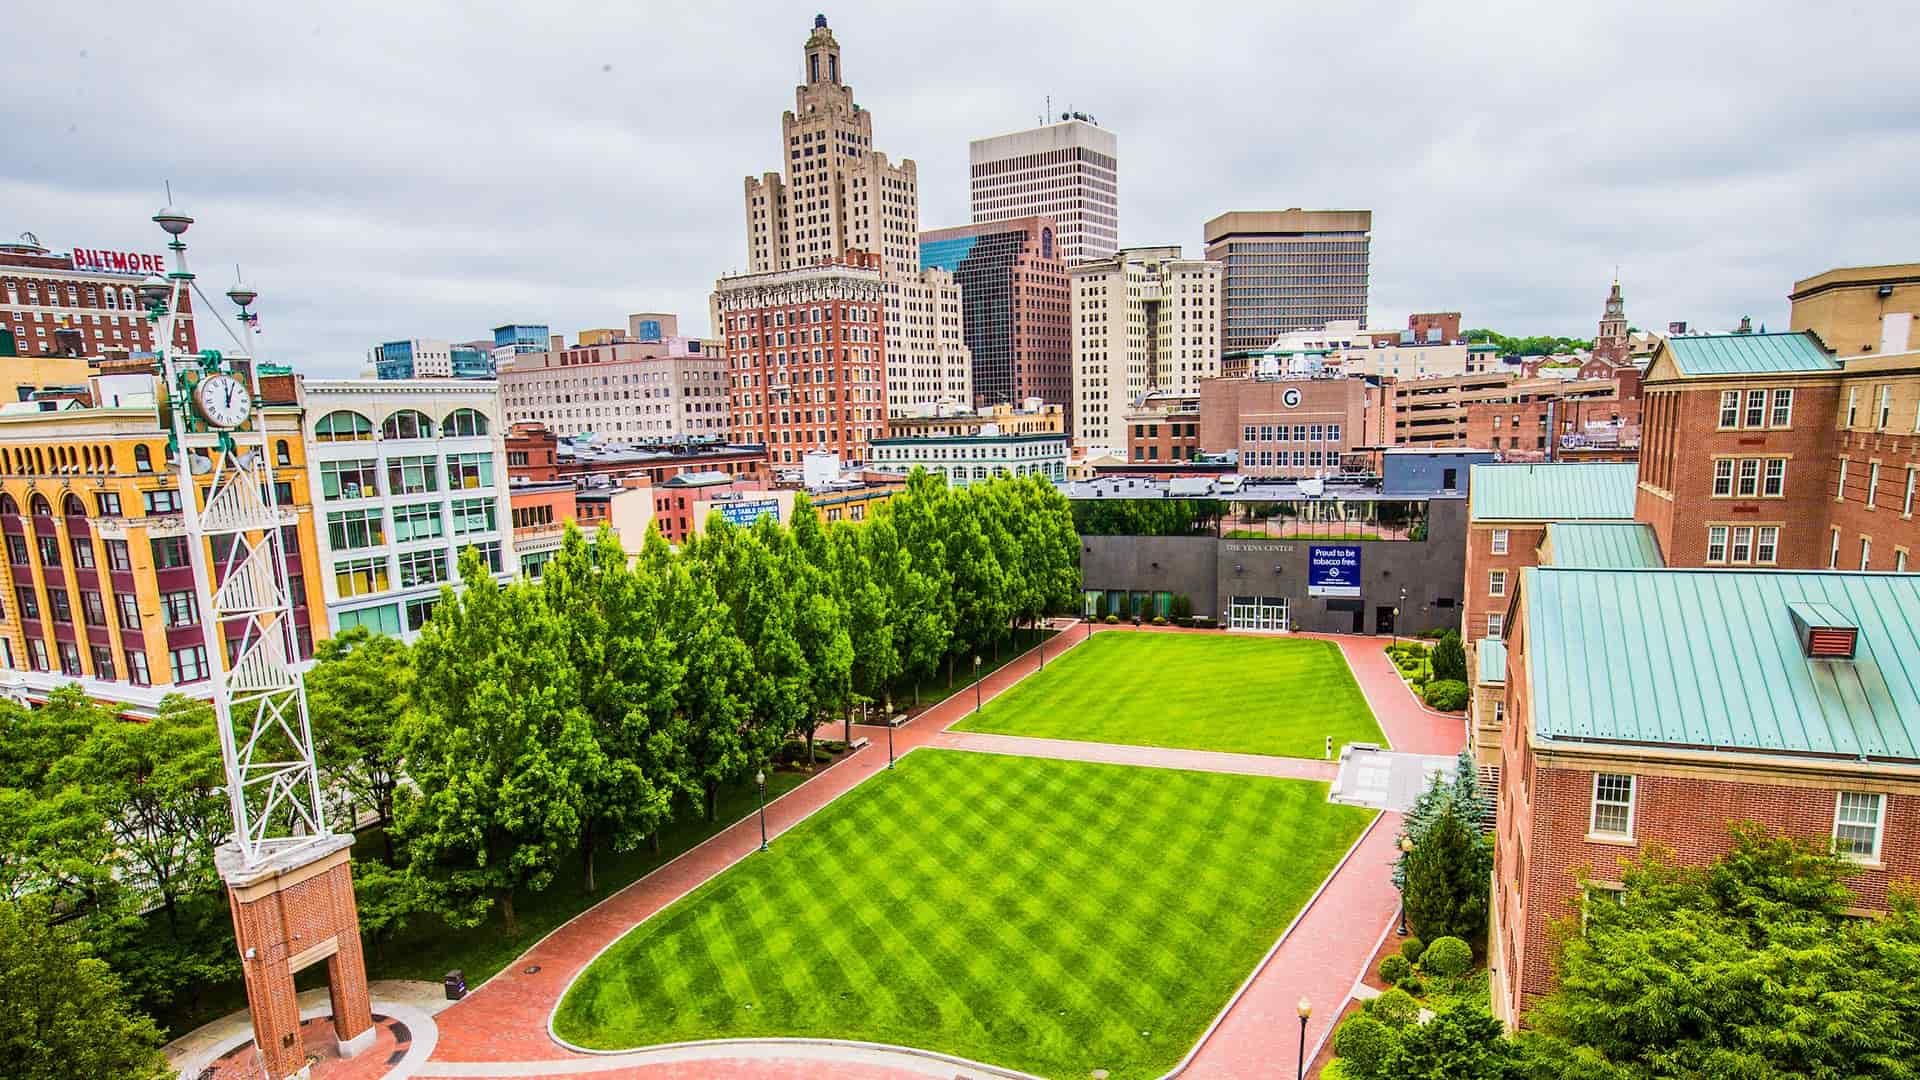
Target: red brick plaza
[(501, 1027)]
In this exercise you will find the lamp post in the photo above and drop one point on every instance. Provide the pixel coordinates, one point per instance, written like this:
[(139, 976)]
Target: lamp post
[(1406, 848), (1396, 614), (1306, 1010), (889, 742), (976, 684), (760, 778)]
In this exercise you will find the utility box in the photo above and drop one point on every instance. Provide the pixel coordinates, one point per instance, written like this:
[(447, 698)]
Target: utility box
[(456, 983)]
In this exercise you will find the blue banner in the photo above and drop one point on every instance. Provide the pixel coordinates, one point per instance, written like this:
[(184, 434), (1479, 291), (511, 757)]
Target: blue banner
[(1333, 571), (744, 514)]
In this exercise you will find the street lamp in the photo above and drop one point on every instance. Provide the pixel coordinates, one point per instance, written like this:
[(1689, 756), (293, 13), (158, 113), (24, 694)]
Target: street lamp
[(760, 778), (1406, 848), (1396, 614), (976, 684), (1306, 1010), (889, 742)]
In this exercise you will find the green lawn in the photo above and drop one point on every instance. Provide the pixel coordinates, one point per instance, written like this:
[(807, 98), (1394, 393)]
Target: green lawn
[(1051, 916), (1251, 695)]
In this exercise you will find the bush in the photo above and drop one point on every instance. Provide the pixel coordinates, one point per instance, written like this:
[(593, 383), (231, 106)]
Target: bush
[(1395, 1008), (1447, 958), (1395, 968), (1111, 619), (1449, 658), (1159, 620), (1414, 985), (1449, 695), (1412, 948), (1362, 1044), (1182, 607), (1434, 634)]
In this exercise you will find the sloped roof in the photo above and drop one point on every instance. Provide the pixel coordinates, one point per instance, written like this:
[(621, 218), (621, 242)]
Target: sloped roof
[(1710, 658), (1568, 491), (1610, 545), (1749, 354), (1491, 654)]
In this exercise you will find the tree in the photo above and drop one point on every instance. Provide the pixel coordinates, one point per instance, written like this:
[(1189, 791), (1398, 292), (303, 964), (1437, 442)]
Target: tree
[(820, 621), (360, 687), (714, 703), (1461, 791), (924, 593), (1750, 967), (1448, 875), (978, 584), (67, 1014), (1460, 1042), (496, 749), (1449, 660), (863, 561)]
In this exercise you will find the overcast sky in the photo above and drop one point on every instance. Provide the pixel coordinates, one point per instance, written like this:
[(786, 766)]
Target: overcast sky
[(390, 170)]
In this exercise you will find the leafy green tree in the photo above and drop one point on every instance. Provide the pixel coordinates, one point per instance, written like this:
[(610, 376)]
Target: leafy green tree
[(359, 688), (923, 592), (820, 620), (1750, 967), (67, 1015), (1448, 875), (860, 571), (629, 674), (496, 749), (716, 696), (1449, 658), (1460, 1042), (979, 584), (386, 898)]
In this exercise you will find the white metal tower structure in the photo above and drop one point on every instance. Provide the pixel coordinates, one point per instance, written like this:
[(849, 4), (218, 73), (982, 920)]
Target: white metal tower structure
[(220, 445)]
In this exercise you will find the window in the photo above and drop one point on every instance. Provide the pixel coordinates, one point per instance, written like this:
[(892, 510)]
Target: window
[(50, 551), (1496, 583), (421, 521), (412, 476), (407, 424), (343, 426), (82, 553), (1496, 624), (169, 552), (1756, 408), (180, 608), (1873, 484), (1729, 408), (461, 422), (129, 610), (1723, 476), (60, 605), (1866, 552), (469, 471), (472, 515), (1900, 560), (1612, 806), (1716, 543), (92, 608), (1858, 818), (419, 611), (1840, 489), (1782, 408), (1853, 396), (422, 567), (1906, 501), (1773, 483), (118, 557), (137, 668), (489, 554), (37, 654), (358, 577), (1749, 476), (1499, 541), (349, 529), (17, 550), (384, 619), (142, 458), (108, 503), (282, 455), (69, 659), (164, 501), (103, 662), (353, 479), (1742, 550), (1886, 405), (1766, 544), (1833, 551), (189, 664)]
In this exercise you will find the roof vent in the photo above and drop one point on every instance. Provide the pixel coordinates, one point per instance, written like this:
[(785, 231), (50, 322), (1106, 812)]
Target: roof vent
[(1824, 633)]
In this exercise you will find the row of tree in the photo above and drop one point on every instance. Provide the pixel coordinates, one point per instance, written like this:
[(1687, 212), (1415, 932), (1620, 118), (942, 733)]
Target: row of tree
[(1535, 345)]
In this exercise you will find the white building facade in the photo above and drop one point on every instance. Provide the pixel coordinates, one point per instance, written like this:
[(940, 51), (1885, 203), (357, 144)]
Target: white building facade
[(1145, 320), (404, 476), (623, 392), (966, 459), (1069, 171)]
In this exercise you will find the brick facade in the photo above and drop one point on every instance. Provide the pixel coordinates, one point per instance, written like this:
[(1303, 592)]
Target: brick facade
[(1478, 600)]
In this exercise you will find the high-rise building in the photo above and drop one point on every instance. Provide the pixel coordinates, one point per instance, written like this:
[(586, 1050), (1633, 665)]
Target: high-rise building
[(1016, 308), (516, 338), (1069, 171), (835, 195), (1289, 270), (1144, 320), (648, 384)]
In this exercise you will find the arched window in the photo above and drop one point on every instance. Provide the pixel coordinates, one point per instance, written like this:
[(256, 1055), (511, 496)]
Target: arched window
[(33, 293), (142, 458), (106, 459), (71, 506), (8, 506), (73, 296), (282, 455), (93, 298), (113, 299), (126, 299), (6, 460), (464, 422), (343, 426), (40, 506), (407, 424)]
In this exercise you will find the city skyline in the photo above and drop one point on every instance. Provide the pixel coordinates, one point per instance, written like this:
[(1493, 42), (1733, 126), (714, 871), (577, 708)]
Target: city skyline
[(370, 199)]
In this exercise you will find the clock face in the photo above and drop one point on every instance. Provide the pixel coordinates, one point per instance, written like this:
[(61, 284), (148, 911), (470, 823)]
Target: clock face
[(223, 400)]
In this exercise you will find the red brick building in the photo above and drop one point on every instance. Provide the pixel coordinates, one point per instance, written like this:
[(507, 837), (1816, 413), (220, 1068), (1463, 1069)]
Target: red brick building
[(1286, 427), (1535, 418), (807, 351), (1509, 508), (1016, 308), (88, 293), (1164, 428), (1632, 722)]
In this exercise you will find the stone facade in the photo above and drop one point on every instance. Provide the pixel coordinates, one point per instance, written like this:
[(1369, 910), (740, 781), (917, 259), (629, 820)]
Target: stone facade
[(1144, 320)]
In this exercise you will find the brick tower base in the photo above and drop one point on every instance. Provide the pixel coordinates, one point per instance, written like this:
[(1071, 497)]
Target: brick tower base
[(289, 913)]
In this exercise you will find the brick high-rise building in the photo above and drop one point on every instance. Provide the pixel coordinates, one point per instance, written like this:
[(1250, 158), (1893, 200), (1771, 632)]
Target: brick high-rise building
[(1144, 320), (1016, 307), (1069, 171), (836, 194), (1289, 270), (807, 347)]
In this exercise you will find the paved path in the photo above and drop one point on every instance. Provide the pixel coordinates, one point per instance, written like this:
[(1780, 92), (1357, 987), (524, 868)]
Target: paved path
[(1148, 756), (501, 1028)]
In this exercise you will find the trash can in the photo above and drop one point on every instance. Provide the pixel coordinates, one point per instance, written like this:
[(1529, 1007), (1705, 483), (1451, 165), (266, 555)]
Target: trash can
[(456, 983)]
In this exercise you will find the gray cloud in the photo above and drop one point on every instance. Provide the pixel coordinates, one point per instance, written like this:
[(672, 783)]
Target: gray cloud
[(409, 169)]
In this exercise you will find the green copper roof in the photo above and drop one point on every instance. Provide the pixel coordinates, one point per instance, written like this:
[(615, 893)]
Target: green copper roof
[(1711, 659), (1603, 545), (1492, 656), (1575, 491), (1749, 354)]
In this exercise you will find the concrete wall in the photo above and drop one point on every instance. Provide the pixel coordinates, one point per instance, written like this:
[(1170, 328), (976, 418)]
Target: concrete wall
[(1186, 565)]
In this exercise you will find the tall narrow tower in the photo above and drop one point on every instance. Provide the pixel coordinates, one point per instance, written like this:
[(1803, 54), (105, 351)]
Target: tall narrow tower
[(1611, 344), (287, 874)]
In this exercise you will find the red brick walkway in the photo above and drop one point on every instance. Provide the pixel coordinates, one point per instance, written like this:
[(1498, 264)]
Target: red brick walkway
[(504, 1022)]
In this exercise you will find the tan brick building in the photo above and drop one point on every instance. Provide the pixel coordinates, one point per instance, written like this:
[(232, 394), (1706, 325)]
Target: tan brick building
[(1144, 320), (1861, 309), (1284, 427)]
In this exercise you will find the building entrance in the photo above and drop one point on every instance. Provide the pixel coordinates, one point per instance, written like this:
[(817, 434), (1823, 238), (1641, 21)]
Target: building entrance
[(1259, 613)]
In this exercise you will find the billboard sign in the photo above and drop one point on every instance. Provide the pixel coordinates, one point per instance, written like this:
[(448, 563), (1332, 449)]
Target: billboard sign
[(1333, 571), (744, 514)]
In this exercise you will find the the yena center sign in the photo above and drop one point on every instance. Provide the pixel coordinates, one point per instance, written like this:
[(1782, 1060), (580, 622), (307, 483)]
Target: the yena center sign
[(1333, 571)]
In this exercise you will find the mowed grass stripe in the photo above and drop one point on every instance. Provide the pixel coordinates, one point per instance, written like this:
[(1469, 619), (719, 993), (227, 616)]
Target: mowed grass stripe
[(1246, 695), (1025, 912)]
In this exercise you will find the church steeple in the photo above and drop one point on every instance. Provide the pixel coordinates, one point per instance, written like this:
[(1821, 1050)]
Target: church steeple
[(823, 54)]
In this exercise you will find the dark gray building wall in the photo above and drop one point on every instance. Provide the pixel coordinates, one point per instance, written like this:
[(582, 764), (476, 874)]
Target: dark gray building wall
[(1423, 474), (1213, 571)]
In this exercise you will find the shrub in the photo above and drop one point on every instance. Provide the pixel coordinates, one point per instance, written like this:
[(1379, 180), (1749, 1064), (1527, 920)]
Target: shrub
[(1435, 633), (1395, 968), (1447, 958), (1395, 1008), (1111, 619), (1412, 948), (1362, 1044), (1182, 607), (1159, 620), (1414, 985), (1449, 658), (1449, 695)]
